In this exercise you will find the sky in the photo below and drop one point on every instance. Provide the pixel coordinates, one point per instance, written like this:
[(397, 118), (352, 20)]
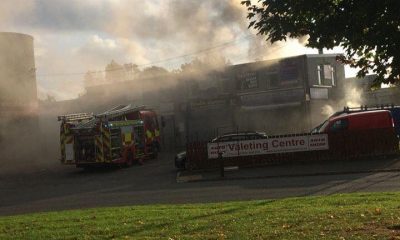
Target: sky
[(72, 37)]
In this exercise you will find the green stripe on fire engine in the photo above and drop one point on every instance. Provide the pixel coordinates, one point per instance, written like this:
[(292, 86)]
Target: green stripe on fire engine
[(117, 124)]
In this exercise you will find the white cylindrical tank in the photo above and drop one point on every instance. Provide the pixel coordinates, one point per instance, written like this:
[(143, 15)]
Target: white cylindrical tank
[(17, 70)]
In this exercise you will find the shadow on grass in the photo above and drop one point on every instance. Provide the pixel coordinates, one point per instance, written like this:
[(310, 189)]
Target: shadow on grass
[(394, 227), (180, 225)]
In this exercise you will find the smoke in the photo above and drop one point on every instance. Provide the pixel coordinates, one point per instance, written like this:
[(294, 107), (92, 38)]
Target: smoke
[(10, 10), (191, 25), (20, 139), (352, 98), (327, 110), (75, 36), (260, 49), (189, 39)]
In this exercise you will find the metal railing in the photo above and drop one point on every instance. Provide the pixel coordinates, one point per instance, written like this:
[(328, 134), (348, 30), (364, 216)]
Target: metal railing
[(342, 146)]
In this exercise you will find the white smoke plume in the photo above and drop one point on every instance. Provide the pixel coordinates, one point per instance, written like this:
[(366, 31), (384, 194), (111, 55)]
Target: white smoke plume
[(352, 99), (327, 110), (73, 37), (78, 36)]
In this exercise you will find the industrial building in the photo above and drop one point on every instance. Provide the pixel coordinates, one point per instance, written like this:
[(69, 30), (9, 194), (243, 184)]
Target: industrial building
[(18, 93), (276, 97)]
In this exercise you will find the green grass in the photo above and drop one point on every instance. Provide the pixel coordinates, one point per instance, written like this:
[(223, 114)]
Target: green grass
[(347, 216)]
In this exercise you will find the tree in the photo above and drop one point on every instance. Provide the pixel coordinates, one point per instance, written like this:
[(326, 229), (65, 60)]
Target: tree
[(367, 30), (114, 72), (50, 98), (131, 70), (153, 72), (89, 78), (209, 64)]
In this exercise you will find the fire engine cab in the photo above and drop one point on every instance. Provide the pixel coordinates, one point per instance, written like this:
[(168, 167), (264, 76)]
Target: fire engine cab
[(122, 135)]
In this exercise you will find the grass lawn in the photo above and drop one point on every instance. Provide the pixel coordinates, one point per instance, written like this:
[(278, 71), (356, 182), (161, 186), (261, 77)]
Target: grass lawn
[(345, 216)]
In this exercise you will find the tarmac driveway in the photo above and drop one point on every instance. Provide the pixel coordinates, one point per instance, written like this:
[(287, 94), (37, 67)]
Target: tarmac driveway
[(55, 187)]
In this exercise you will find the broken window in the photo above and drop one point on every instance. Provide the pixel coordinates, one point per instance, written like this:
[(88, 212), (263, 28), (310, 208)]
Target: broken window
[(247, 80), (326, 76)]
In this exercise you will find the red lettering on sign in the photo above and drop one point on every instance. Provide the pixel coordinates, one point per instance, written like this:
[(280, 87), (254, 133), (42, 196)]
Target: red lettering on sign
[(288, 143), (275, 143)]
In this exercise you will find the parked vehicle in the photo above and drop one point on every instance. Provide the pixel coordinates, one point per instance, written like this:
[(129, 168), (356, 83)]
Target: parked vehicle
[(239, 136), (394, 110), (378, 119), (180, 160), (121, 135)]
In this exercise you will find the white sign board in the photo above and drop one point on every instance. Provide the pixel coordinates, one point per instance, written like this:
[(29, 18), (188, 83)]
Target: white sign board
[(268, 146), (319, 93)]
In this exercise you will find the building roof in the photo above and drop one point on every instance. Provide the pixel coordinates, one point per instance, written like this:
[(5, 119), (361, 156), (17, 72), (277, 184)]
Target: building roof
[(322, 55), (288, 57)]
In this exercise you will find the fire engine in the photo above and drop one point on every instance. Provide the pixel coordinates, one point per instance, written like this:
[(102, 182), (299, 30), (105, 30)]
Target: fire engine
[(122, 135)]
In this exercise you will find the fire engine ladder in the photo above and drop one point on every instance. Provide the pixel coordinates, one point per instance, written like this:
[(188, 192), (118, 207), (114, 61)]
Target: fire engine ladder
[(119, 111), (74, 117)]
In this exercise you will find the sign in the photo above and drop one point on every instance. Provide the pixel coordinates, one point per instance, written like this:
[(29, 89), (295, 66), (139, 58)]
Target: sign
[(268, 146), (127, 137), (247, 80), (319, 93), (272, 98)]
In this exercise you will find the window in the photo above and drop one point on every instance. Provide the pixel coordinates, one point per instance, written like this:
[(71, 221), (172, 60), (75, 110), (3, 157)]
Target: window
[(151, 122), (321, 128), (115, 138), (253, 137), (116, 143), (138, 133), (247, 80), (154, 122), (326, 76), (339, 125), (238, 138), (222, 139), (289, 71)]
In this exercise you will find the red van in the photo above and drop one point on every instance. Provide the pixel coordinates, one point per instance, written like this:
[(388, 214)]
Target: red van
[(358, 121)]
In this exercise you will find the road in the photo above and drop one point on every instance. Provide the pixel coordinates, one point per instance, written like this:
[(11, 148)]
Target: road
[(55, 187)]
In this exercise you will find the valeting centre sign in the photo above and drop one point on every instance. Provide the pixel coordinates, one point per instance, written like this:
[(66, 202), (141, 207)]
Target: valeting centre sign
[(269, 146)]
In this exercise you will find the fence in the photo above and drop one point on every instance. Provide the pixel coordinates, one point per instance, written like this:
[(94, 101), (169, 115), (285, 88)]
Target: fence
[(342, 146)]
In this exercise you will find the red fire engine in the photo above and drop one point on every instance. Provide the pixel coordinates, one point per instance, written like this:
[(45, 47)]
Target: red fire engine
[(121, 135)]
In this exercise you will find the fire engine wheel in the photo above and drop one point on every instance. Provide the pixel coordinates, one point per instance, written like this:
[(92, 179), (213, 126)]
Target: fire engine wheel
[(155, 151), (85, 167), (129, 159)]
